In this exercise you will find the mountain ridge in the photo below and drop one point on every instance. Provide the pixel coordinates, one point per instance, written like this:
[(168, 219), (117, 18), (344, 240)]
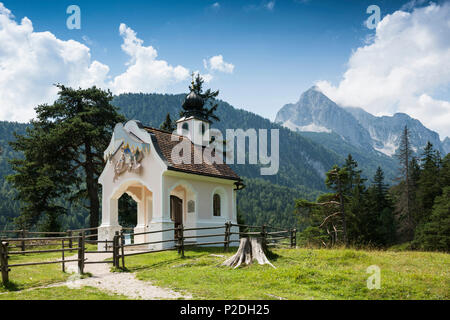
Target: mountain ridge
[(355, 125)]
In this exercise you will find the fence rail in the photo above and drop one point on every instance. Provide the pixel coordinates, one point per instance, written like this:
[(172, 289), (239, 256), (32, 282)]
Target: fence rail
[(76, 240)]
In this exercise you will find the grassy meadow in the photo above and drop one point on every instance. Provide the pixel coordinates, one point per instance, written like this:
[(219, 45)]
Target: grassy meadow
[(300, 274)]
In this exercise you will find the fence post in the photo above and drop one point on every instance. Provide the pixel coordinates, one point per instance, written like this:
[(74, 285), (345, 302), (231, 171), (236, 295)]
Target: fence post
[(178, 231), (22, 243), (292, 237), (122, 246), (63, 265), (295, 238), (81, 253), (69, 233), (181, 240), (264, 236), (227, 236), (116, 249), (4, 262)]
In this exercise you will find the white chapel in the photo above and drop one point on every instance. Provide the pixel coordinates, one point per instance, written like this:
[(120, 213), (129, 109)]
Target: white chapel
[(168, 193)]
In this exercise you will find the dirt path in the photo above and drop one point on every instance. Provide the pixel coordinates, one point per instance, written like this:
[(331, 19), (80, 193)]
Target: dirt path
[(117, 282)]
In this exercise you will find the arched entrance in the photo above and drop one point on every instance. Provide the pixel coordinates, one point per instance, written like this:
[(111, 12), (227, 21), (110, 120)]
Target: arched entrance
[(127, 211), (143, 204)]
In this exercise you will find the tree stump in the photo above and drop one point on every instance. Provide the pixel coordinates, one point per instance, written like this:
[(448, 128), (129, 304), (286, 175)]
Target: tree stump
[(249, 249)]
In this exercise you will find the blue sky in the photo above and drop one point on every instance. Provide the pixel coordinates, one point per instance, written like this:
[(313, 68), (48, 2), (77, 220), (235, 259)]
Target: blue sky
[(278, 50)]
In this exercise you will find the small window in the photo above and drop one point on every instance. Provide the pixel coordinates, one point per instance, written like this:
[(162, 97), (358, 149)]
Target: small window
[(202, 128), (216, 205), (185, 126)]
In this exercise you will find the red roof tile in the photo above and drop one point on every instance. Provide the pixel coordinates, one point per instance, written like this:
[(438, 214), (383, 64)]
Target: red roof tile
[(165, 145)]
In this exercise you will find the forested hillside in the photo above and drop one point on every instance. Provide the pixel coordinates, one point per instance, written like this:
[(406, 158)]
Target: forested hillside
[(9, 208), (368, 160), (262, 202)]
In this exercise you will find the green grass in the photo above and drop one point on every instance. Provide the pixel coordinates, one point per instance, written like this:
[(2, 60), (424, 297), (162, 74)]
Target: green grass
[(25, 277), (61, 293), (33, 276), (300, 274)]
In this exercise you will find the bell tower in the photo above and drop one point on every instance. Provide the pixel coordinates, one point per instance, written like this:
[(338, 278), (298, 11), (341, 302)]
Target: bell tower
[(193, 125)]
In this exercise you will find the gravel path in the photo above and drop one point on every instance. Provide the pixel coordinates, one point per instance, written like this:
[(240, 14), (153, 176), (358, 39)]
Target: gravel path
[(117, 282)]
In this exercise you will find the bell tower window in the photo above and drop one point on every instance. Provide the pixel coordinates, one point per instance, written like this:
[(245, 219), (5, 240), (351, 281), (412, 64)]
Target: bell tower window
[(202, 128)]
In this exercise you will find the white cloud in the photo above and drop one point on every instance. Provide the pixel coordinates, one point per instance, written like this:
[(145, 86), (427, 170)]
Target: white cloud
[(145, 72), (32, 62), (217, 63), (412, 4), (406, 62)]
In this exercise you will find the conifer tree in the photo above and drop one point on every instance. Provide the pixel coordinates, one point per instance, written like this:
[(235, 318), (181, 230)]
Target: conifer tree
[(434, 234), (168, 125), (380, 223), (208, 96), (403, 205), (63, 152), (428, 184), (355, 192), (336, 179)]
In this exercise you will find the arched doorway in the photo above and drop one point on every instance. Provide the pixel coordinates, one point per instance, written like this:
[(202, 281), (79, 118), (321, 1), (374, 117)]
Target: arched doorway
[(135, 207), (127, 211), (176, 212), (183, 206)]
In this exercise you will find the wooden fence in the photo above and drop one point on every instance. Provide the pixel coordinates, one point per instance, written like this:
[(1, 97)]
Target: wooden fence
[(117, 247), (271, 236), (62, 242)]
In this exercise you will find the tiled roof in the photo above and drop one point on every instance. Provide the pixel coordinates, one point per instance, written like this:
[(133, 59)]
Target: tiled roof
[(165, 145)]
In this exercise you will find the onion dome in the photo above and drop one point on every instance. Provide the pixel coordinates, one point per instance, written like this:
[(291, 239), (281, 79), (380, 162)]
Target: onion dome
[(193, 102)]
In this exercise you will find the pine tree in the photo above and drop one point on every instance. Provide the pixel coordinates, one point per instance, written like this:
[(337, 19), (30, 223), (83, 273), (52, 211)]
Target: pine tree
[(322, 220), (63, 152), (337, 179), (428, 184), (380, 222), (38, 181), (403, 208), (168, 125), (208, 96), (355, 192), (435, 233)]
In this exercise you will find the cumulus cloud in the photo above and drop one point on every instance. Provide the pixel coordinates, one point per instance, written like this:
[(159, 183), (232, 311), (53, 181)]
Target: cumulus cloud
[(145, 72), (217, 63), (32, 62), (406, 62)]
